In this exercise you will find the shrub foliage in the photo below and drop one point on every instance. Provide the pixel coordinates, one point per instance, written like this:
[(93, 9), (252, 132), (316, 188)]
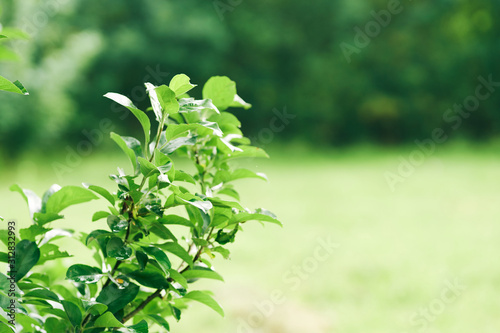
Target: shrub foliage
[(165, 224)]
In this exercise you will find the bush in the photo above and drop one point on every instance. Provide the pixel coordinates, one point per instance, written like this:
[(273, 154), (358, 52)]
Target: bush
[(143, 272)]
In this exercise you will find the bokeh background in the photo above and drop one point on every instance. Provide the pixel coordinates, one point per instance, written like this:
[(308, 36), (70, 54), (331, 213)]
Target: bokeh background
[(415, 225)]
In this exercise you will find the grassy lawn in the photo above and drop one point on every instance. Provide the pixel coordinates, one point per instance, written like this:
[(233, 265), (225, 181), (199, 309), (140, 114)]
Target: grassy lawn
[(422, 258)]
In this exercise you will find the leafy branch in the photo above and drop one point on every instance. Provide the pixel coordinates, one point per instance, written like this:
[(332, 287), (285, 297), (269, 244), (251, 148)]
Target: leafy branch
[(140, 243)]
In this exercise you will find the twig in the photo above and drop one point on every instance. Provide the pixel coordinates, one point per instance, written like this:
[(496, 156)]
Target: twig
[(142, 305)]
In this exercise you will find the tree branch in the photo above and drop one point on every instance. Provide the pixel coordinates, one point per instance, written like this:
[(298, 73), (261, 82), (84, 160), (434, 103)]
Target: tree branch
[(142, 305)]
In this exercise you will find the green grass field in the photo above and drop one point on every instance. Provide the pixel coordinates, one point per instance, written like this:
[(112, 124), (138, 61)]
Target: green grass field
[(395, 257)]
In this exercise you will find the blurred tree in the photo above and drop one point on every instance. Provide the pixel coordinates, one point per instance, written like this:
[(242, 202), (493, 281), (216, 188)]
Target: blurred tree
[(281, 53)]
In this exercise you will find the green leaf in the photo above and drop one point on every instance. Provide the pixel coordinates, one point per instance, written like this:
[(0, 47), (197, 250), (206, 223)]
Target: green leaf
[(54, 325), (225, 204), (213, 126), (177, 277), (176, 312), (259, 215), (204, 206), (203, 107), (100, 215), (161, 231), (147, 168), (41, 277), (140, 327), (176, 130), (238, 102), (27, 321), (176, 220), (4, 328), (67, 196), (42, 219), (224, 252), (184, 177), (175, 144), (21, 87), (32, 231), (116, 249), (59, 313), (27, 255), (54, 234), (226, 237), (167, 99), (200, 217), (199, 273), (204, 298), (33, 201), (227, 121), (53, 189), (226, 147), (247, 151), (73, 312), (163, 100), (155, 103), (102, 191), (224, 176), (51, 252), (175, 248), (116, 224), (142, 259), (149, 278), (14, 87), (84, 274), (108, 320), (116, 298), (14, 33), (160, 321), (140, 115), (160, 256), (221, 90), (125, 143), (95, 309), (43, 293), (96, 234), (181, 84)]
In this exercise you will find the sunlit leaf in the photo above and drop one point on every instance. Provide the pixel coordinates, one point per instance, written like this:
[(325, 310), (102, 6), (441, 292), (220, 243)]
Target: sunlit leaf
[(204, 298), (68, 196), (117, 249), (34, 202), (15, 87), (221, 90), (102, 191), (199, 272), (73, 312), (84, 273), (140, 115), (116, 298), (27, 255), (180, 84), (159, 255), (175, 248), (108, 320)]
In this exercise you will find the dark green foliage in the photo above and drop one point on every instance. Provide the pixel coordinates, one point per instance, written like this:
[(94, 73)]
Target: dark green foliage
[(284, 53)]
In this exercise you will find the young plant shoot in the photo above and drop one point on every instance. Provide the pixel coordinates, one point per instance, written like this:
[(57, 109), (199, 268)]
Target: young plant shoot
[(165, 223)]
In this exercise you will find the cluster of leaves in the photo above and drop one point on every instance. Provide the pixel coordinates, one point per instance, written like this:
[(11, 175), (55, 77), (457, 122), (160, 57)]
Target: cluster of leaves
[(165, 225), (6, 54)]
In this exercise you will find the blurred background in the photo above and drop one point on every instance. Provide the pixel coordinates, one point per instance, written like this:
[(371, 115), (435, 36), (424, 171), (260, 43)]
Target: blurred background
[(381, 118)]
